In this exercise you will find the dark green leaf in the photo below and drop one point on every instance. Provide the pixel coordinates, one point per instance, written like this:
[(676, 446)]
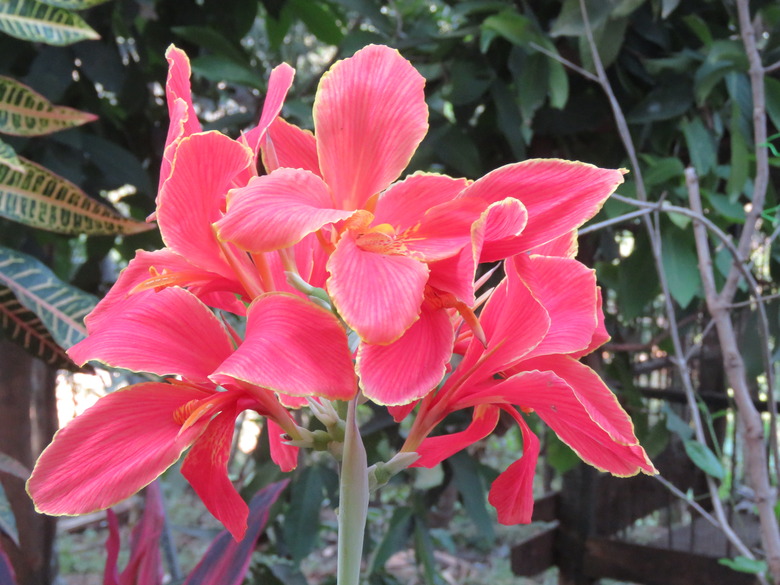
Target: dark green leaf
[(395, 537), (570, 22), (319, 19), (217, 68), (680, 265), (302, 520), (472, 490), (423, 552), (211, 40), (670, 100), (701, 146)]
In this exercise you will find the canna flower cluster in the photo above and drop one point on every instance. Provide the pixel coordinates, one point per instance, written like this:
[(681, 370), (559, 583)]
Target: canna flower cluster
[(354, 283)]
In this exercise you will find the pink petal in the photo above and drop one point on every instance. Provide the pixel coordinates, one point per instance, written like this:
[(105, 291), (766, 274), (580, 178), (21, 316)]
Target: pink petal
[(369, 116), (407, 369), (565, 246), (378, 295), (434, 450), (600, 335), (177, 86), (559, 196), (278, 210), (286, 145), (183, 118), (598, 431), (512, 493), (404, 204), (567, 290), (165, 262), (206, 468), (192, 198), (115, 448), (400, 412), (514, 322), (292, 346), (600, 402), (284, 455), (278, 85), (170, 332)]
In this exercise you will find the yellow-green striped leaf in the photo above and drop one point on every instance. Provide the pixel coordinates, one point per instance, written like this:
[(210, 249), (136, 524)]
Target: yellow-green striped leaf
[(25, 112), (8, 157), (23, 327), (60, 306), (41, 199), (31, 20), (74, 4)]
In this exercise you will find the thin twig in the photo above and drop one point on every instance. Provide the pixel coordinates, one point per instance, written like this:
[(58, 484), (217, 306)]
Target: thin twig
[(615, 220), (563, 61), (755, 456), (655, 240)]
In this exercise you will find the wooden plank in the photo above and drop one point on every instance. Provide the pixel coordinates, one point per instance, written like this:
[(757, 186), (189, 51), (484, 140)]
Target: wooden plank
[(649, 565), (534, 554), (546, 508)]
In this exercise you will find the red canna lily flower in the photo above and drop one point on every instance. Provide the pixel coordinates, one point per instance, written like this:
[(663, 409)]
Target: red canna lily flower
[(395, 247), (539, 320), (130, 437)]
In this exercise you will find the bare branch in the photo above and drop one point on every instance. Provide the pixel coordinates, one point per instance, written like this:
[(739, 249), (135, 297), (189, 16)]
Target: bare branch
[(755, 456)]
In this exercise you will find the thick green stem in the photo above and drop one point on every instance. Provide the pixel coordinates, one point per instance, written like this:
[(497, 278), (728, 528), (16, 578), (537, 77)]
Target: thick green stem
[(353, 502)]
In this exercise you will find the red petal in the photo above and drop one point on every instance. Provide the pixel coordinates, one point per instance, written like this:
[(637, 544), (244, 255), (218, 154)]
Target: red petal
[(559, 196), (404, 204), (434, 450), (287, 145), (205, 467), (378, 295), (192, 198), (278, 85), (410, 367), (565, 246), (177, 86), (170, 332), (292, 346), (284, 455), (369, 116), (581, 411), (119, 445), (278, 210), (211, 288), (600, 335), (512, 493), (567, 290), (514, 322)]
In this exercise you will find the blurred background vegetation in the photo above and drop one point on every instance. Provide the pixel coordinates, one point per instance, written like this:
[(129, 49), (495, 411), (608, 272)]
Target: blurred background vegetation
[(670, 87)]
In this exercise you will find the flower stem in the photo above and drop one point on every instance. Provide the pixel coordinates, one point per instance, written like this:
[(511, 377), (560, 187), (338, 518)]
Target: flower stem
[(353, 502)]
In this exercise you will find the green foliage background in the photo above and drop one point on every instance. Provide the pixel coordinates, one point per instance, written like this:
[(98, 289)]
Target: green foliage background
[(506, 81)]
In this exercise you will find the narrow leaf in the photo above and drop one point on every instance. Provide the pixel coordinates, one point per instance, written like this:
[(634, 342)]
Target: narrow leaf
[(8, 156), (226, 561), (302, 521), (25, 112), (7, 521), (395, 537), (31, 20), (472, 490), (23, 327), (41, 199), (6, 570), (60, 306), (74, 4), (11, 466)]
